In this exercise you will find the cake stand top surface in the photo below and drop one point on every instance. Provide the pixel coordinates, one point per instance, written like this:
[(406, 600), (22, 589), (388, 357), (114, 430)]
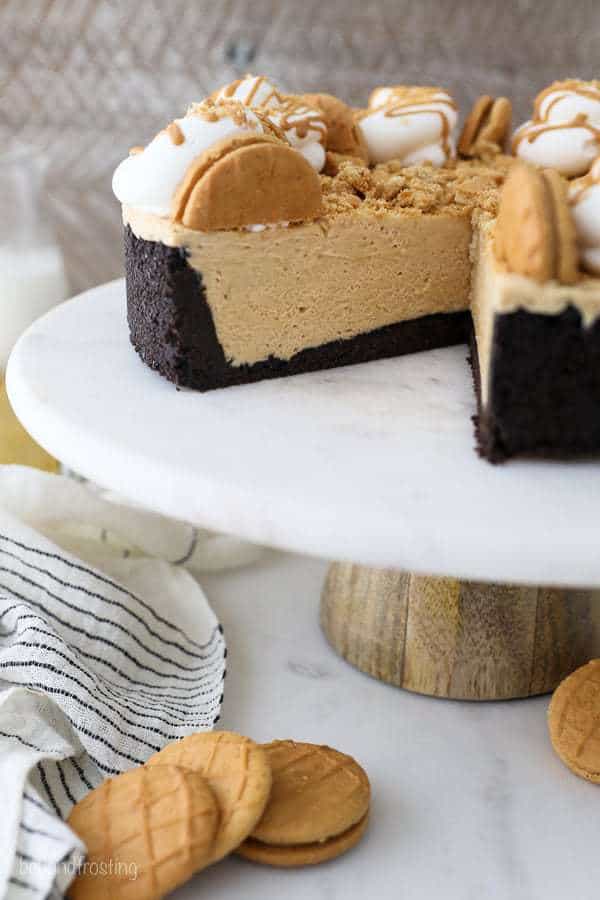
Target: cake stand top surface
[(371, 463)]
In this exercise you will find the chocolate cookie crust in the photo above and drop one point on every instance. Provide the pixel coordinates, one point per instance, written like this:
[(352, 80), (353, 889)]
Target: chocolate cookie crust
[(544, 391), (172, 328)]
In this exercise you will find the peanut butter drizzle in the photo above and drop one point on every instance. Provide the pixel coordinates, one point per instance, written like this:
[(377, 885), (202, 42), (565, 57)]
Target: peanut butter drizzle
[(175, 133), (543, 127), (230, 90), (571, 86), (133, 151), (403, 103), (285, 107), (310, 119), (269, 125), (584, 184), (238, 112)]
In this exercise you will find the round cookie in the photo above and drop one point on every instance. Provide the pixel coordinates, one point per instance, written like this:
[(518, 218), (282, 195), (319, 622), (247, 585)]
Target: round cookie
[(567, 255), (343, 134), (303, 854), (317, 793), (238, 772), (535, 234), (473, 122), (147, 831), (245, 179), (574, 721), (486, 127), (524, 238)]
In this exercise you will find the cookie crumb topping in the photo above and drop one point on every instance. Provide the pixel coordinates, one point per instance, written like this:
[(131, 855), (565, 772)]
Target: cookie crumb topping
[(458, 188)]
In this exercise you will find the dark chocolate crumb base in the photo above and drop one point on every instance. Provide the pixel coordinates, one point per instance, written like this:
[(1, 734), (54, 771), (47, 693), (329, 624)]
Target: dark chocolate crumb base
[(172, 329), (544, 394), (485, 445)]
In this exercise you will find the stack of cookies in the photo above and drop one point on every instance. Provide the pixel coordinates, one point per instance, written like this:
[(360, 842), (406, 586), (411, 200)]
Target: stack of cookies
[(284, 804)]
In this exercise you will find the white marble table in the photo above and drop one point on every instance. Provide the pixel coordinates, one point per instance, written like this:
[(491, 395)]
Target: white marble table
[(469, 801)]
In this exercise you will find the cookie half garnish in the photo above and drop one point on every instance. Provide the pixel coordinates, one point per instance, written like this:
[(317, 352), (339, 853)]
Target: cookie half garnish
[(535, 233), (487, 127), (246, 180), (344, 137)]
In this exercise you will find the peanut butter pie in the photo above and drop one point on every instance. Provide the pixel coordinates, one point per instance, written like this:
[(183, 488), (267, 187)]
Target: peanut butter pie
[(269, 234)]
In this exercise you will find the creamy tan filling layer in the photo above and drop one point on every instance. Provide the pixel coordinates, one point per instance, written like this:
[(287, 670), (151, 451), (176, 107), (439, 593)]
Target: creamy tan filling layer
[(279, 291), (283, 290), (496, 291), (485, 285)]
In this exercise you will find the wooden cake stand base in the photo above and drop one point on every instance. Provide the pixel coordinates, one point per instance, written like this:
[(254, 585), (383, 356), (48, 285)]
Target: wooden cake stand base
[(462, 640)]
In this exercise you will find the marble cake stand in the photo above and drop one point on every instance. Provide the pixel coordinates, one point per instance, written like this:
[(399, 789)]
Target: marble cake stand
[(372, 464)]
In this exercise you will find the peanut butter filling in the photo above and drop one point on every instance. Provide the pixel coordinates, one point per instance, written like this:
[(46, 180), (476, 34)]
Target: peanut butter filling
[(392, 245), (497, 291), (280, 291)]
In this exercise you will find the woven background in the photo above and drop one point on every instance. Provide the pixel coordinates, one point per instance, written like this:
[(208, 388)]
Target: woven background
[(85, 79)]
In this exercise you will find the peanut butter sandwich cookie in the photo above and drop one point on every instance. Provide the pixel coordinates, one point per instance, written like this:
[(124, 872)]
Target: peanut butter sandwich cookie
[(239, 774), (290, 856), (343, 135), (147, 831), (486, 129), (318, 807), (535, 233), (574, 721)]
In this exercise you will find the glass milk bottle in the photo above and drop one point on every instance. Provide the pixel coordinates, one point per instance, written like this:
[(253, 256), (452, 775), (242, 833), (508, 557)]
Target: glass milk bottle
[(32, 274)]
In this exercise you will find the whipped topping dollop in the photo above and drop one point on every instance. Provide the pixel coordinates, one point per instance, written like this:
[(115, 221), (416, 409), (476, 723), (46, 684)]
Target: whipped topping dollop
[(564, 131), (303, 125), (148, 178), (414, 125), (584, 197)]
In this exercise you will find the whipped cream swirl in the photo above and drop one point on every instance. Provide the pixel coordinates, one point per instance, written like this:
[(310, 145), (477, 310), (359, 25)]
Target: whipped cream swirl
[(584, 197), (303, 125), (414, 125), (148, 178), (564, 132)]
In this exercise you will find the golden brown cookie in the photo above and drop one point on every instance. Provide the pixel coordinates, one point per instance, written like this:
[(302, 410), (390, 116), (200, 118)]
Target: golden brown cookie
[(574, 721), (244, 180), (567, 254), (486, 129), (146, 832), (535, 234), (343, 134), (238, 772), (303, 854), (317, 793)]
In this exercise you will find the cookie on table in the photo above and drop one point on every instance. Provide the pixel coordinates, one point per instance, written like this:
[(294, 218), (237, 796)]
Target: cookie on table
[(238, 772), (318, 807), (288, 856), (146, 831), (574, 721)]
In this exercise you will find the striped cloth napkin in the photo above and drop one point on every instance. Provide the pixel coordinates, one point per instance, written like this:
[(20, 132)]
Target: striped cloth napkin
[(108, 651)]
